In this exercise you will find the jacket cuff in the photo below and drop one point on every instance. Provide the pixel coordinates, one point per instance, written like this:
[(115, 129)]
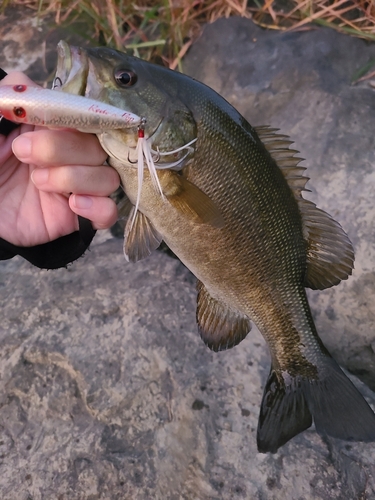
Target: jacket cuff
[(54, 254)]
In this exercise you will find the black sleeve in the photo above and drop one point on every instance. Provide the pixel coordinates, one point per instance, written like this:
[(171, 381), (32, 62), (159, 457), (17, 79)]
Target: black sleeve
[(54, 254)]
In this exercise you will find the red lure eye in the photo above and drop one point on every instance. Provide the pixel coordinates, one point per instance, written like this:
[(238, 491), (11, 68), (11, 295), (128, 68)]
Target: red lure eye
[(19, 88), (19, 112)]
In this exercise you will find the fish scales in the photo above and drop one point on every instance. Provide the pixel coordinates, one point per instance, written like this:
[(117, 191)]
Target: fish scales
[(259, 231)]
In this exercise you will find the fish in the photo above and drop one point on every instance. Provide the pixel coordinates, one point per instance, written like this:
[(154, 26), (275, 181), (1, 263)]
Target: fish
[(38, 106), (227, 199)]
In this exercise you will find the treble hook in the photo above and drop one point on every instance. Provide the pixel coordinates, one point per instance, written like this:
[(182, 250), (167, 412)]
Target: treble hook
[(157, 157), (57, 82), (131, 161)]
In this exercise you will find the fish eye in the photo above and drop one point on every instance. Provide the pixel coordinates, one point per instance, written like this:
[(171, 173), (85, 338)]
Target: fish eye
[(125, 77)]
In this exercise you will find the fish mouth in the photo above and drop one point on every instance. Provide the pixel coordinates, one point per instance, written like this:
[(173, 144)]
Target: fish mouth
[(72, 69), (75, 74), (72, 75)]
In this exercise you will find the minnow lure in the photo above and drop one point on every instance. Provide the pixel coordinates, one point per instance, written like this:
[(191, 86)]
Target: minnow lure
[(38, 106)]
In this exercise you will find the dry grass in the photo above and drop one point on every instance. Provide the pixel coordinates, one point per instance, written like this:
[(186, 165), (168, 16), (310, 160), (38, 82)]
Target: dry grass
[(354, 17), (165, 29)]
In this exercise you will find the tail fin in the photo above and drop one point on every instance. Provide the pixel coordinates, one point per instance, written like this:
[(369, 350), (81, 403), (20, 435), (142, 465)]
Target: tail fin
[(337, 407)]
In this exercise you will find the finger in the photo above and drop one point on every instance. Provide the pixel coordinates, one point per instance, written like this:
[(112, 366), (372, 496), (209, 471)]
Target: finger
[(101, 211), (17, 77), (90, 180), (58, 147)]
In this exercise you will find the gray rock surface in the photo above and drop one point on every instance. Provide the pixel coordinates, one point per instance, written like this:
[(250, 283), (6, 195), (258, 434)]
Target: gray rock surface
[(106, 391)]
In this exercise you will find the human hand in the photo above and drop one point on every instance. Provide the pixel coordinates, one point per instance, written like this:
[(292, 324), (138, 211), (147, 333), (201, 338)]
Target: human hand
[(47, 178)]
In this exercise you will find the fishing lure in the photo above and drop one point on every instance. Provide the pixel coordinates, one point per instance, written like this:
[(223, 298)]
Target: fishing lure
[(38, 106)]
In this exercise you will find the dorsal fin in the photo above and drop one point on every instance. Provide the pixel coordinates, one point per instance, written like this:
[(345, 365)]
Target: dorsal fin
[(330, 255), (278, 147)]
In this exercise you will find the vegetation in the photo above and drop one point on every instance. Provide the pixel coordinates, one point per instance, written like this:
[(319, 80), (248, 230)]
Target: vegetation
[(165, 29)]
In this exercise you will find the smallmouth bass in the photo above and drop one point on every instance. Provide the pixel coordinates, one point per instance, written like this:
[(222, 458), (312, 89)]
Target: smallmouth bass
[(227, 199)]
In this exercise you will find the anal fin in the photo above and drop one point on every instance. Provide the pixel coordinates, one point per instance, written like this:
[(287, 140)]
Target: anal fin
[(140, 238), (220, 327)]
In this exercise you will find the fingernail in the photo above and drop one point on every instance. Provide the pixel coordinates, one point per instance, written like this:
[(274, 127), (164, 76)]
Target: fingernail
[(40, 176), (80, 201), (22, 148)]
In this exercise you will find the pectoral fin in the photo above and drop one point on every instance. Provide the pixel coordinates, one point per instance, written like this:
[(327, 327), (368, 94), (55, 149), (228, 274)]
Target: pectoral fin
[(189, 199), (140, 238), (220, 327)]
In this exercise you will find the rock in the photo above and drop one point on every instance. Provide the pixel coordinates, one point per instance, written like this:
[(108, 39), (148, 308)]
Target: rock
[(106, 390), (28, 43)]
